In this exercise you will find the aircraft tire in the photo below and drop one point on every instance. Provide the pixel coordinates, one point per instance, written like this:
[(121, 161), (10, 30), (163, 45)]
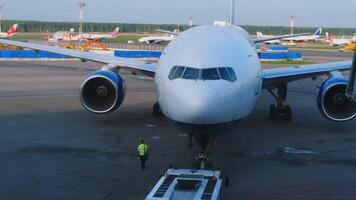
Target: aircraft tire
[(288, 113), (156, 110), (272, 112)]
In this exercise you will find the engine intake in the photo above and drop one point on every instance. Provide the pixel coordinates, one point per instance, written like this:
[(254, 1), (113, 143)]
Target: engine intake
[(102, 92), (333, 102)]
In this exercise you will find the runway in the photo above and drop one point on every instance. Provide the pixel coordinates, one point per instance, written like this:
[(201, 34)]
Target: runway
[(50, 148)]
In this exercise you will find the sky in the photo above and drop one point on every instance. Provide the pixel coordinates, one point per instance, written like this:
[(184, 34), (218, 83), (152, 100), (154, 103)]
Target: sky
[(309, 13)]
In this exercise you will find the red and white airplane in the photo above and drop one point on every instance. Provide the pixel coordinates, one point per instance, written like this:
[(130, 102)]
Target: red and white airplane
[(338, 42), (91, 36), (10, 32), (73, 36)]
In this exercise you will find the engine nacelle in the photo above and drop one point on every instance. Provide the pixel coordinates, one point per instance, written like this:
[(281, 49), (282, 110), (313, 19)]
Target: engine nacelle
[(332, 101), (102, 92)]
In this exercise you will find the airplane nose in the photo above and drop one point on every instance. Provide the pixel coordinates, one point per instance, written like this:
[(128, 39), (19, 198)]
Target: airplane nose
[(198, 105)]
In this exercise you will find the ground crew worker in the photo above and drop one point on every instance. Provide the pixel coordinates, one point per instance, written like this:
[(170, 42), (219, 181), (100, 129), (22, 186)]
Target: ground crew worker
[(143, 153)]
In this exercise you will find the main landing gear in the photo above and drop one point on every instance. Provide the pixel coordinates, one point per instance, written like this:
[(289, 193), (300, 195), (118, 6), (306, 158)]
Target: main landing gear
[(156, 110), (205, 143), (280, 111)]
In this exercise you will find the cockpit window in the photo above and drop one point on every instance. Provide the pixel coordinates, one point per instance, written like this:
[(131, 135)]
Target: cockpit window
[(191, 73), (171, 73), (232, 74), (210, 74), (178, 73), (224, 74)]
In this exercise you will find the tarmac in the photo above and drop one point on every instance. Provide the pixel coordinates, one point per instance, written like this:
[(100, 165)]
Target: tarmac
[(50, 148)]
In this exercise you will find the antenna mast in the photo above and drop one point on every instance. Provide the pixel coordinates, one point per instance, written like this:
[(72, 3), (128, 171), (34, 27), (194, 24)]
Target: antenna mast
[(232, 11)]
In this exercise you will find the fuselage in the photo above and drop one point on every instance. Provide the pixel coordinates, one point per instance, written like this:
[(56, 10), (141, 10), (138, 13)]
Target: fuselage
[(3, 35), (201, 94), (72, 36)]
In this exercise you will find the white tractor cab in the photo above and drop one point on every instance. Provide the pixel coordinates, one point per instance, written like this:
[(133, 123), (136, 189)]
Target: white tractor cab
[(188, 184)]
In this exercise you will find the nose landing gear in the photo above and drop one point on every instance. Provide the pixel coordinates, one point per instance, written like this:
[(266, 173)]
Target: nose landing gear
[(280, 111), (156, 110), (205, 143)]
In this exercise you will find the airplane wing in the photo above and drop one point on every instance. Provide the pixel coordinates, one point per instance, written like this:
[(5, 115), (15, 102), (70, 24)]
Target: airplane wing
[(259, 40), (275, 76), (135, 66)]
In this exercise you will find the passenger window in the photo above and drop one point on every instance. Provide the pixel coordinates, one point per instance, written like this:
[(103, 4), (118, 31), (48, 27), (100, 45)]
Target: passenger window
[(191, 73), (178, 73), (171, 73), (232, 74), (224, 74), (210, 74)]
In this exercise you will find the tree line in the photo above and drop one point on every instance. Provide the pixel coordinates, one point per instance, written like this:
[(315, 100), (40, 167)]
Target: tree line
[(43, 26)]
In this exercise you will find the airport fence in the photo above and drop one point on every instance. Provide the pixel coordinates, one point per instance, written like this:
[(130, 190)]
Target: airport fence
[(280, 55), (136, 46), (137, 54), (29, 54)]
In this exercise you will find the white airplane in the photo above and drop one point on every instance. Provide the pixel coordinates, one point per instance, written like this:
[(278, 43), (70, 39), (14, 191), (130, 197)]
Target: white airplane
[(73, 36), (260, 36), (10, 32), (210, 77), (306, 38), (159, 39), (338, 42)]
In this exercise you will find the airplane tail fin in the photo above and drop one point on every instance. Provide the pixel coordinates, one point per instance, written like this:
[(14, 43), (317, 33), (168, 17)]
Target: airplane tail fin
[(318, 32), (115, 33), (328, 37), (259, 35), (12, 30)]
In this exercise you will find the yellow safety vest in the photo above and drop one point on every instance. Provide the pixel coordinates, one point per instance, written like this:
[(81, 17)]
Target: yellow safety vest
[(142, 149)]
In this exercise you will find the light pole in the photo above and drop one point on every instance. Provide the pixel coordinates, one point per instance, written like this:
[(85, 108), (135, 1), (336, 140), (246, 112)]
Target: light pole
[(232, 11), (292, 24), (191, 22), (1, 7), (81, 11)]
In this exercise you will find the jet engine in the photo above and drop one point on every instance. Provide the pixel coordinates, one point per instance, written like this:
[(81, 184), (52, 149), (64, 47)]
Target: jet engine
[(333, 102), (102, 91)]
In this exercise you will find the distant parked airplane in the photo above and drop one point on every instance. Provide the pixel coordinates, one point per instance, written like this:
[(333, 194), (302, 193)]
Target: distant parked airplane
[(159, 39), (74, 36), (338, 42), (10, 32), (114, 34)]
